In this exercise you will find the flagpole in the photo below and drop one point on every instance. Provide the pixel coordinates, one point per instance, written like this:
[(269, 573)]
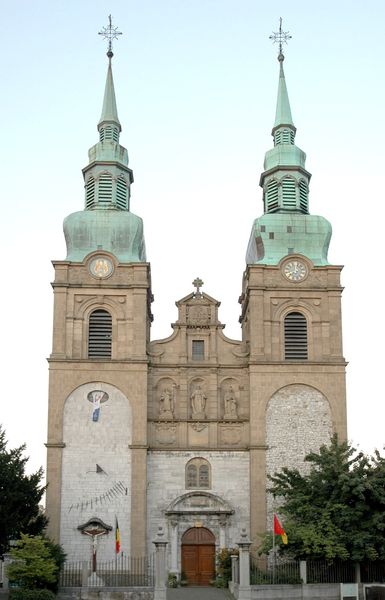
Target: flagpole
[(273, 550), (116, 562), (116, 553)]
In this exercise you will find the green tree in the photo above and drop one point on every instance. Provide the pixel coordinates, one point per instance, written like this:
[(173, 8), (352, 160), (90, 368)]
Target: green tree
[(337, 509), (33, 565), (20, 495)]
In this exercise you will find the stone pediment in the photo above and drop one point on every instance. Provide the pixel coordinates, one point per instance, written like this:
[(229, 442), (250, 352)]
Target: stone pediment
[(200, 298), (198, 310), (199, 502)]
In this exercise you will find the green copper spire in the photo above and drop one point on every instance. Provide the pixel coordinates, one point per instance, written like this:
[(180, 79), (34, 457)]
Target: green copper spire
[(106, 222), (286, 226), (109, 114), (283, 112)]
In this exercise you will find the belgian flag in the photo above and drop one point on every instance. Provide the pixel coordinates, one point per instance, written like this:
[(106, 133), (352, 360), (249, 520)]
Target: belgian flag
[(117, 536), (279, 530)]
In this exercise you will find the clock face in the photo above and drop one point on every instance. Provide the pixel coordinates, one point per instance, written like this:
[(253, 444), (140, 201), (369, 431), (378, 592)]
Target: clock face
[(295, 270), (101, 266)]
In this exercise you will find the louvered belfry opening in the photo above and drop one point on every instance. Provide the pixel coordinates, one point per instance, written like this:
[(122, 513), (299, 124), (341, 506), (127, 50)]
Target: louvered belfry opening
[(295, 337), (100, 334)]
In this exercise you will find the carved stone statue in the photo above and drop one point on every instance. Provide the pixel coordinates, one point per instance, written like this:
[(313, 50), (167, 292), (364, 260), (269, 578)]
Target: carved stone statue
[(166, 405), (198, 403), (230, 404)]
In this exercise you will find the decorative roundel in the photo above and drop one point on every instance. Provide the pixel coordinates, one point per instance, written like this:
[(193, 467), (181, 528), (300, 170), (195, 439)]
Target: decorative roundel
[(101, 266), (295, 270)]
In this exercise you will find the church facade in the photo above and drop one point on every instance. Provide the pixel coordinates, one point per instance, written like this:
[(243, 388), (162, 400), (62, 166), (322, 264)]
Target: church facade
[(181, 433)]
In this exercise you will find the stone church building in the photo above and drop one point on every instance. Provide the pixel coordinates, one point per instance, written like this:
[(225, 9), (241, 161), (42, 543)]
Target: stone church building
[(181, 432)]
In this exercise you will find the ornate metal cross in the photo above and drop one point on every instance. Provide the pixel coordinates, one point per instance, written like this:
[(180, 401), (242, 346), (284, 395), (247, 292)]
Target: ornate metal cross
[(280, 37), (110, 33), (198, 284)]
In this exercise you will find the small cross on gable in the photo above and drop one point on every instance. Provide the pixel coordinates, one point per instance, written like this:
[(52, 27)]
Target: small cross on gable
[(197, 283)]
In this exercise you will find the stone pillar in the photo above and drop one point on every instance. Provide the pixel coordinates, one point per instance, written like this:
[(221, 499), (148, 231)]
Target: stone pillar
[(222, 532), (160, 565), (234, 568), (244, 566), (303, 571), (138, 494), (6, 561), (174, 547)]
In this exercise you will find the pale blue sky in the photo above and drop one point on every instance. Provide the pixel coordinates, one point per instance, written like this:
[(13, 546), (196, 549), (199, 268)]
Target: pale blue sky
[(196, 86)]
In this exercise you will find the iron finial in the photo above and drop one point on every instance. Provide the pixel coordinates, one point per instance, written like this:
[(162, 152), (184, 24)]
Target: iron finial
[(110, 33), (280, 37)]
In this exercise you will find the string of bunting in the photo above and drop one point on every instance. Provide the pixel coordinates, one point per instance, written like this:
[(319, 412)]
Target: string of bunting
[(118, 489)]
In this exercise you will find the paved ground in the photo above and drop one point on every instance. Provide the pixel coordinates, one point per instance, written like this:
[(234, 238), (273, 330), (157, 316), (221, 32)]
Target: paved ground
[(198, 593)]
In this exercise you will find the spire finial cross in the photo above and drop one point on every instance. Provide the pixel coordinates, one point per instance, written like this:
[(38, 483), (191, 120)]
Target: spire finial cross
[(280, 37), (197, 283), (110, 33)]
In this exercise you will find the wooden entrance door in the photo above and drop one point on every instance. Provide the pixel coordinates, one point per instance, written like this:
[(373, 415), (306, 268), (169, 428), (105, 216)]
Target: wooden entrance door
[(198, 556)]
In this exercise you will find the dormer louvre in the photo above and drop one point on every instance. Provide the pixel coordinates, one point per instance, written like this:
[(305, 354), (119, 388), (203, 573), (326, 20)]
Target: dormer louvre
[(109, 133), (289, 200), (121, 193), (303, 196), (105, 189), (90, 192), (284, 136)]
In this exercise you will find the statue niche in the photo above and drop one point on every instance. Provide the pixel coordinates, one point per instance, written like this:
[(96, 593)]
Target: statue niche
[(167, 403), (198, 400), (230, 404)]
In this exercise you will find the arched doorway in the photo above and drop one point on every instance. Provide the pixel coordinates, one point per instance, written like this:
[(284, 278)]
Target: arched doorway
[(198, 556)]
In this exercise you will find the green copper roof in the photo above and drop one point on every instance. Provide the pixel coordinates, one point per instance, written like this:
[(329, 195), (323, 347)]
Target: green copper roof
[(118, 232), (286, 226), (106, 222), (283, 112), (274, 236)]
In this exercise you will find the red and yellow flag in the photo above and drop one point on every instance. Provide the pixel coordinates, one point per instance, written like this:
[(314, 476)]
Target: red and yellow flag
[(279, 530), (117, 537)]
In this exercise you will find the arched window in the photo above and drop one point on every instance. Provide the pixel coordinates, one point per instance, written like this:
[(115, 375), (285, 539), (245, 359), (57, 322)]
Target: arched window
[(295, 330), (99, 334), (90, 192), (198, 474)]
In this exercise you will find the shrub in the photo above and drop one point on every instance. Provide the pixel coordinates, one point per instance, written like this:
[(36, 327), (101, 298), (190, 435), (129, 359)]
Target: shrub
[(224, 566), (23, 594), (33, 566), (172, 581)]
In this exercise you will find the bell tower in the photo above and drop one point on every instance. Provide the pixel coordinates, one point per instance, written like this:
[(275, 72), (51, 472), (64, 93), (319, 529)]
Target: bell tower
[(97, 440), (291, 319)]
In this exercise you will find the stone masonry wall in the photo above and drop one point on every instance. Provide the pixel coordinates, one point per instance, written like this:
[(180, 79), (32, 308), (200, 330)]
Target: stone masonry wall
[(298, 421), (230, 481), (96, 470)]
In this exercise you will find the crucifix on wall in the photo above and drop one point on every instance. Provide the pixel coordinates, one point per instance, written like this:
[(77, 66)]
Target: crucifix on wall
[(94, 528)]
